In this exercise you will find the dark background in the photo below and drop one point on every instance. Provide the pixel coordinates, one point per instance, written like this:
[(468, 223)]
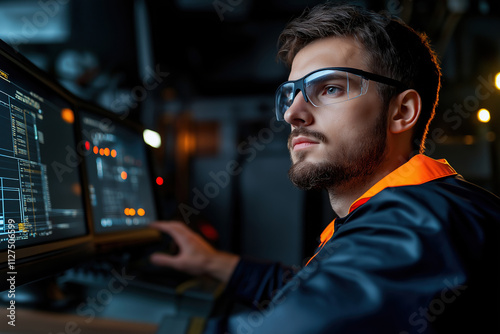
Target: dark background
[(203, 74)]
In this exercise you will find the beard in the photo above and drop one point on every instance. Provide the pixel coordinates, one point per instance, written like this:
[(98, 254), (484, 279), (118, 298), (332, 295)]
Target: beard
[(351, 165)]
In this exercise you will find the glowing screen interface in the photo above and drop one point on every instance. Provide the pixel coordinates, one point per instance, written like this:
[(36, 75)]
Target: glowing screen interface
[(120, 187), (40, 187)]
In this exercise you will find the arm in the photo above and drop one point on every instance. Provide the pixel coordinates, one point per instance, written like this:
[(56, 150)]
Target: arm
[(363, 281)]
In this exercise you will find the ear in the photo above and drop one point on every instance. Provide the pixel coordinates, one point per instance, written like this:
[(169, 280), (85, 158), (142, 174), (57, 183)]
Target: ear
[(405, 110)]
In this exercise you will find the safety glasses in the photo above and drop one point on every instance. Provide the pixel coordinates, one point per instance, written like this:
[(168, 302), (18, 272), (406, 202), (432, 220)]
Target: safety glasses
[(327, 86)]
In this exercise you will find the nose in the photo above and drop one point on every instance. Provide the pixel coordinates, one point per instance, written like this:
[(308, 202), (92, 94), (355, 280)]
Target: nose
[(298, 113)]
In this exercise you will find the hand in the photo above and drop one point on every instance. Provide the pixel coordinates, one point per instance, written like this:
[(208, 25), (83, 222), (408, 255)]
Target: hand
[(196, 256)]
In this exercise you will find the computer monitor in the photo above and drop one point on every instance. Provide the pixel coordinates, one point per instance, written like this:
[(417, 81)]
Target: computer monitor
[(43, 225), (118, 178)]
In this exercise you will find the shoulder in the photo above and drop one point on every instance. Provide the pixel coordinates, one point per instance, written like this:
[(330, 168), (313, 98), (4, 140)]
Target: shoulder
[(446, 199), (447, 211)]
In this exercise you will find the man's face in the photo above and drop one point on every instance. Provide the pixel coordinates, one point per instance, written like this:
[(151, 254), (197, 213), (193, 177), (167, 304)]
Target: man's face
[(340, 144)]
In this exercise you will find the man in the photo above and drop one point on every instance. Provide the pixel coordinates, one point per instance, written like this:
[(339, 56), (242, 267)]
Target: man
[(415, 247)]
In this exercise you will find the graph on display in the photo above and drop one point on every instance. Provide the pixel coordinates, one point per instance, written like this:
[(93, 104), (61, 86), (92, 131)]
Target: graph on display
[(120, 189), (29, 124), (23, 184)]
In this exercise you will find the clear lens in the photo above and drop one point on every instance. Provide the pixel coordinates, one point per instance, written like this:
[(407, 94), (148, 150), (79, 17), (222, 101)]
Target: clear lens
[(284, 99), (331, 86), (321, 88)]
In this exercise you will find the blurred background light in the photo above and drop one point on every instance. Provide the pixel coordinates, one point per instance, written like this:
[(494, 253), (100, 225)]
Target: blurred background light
[(31, 22), (497, 80), (483, 115), (152, 138)]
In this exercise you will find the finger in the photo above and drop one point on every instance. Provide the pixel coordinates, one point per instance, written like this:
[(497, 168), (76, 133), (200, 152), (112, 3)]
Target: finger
[(161, 259), (166, 225)]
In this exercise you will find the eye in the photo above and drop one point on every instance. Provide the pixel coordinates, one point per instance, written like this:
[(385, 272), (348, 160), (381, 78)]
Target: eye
[(332, 91)]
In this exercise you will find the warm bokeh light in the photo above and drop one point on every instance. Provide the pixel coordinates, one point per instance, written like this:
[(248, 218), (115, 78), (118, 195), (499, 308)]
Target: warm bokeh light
[(87, 145), (101, 151), (67, 115), (483, 115), (106, 152), (159, 180), (469, 140), (152, 138), (96, 149), (187, 142), (141, 212), (76, 189), (497, 80), (131, 212), (491, 136), (113, 153), (126, 211), (124, 175)]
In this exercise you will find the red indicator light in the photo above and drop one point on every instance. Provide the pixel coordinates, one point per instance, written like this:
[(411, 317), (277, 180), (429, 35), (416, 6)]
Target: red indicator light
[(159, 180), (208, 231), (87, 146)]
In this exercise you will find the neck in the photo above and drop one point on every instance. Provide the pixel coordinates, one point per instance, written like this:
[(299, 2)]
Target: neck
[(342, 196)]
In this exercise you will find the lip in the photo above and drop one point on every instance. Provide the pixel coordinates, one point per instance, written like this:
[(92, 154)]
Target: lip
[(302, 142)]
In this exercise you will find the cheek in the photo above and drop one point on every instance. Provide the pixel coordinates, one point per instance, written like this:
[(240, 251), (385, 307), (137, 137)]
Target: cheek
[(363, 116), (350, 120), (351, 132)]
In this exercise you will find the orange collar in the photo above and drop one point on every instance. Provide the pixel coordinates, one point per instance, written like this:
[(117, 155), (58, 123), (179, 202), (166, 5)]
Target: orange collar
[(418, 170)]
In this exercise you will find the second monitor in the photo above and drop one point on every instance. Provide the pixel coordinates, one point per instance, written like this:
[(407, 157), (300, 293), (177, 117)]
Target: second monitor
[(119, 179)]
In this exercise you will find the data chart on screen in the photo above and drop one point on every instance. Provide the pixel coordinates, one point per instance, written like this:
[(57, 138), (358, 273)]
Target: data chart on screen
[(40, 185), (118, 175)]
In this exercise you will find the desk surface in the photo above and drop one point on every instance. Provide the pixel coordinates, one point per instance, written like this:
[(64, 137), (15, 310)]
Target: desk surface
[(137, 309), (32, 322)]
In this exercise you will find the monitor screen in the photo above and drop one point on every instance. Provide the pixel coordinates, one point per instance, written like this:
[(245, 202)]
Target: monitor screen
[(40, 188), (41, 202), (118, 174)]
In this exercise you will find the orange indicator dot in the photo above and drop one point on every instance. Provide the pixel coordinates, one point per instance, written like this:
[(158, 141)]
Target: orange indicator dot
[(131, 212), (67, 115), (101, 151), (113, 153), (141, 212), (126, 211), (106, 152), (96, 149), (124, 175)]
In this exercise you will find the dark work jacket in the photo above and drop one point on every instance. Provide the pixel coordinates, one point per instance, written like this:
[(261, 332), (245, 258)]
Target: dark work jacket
[(418, 254)]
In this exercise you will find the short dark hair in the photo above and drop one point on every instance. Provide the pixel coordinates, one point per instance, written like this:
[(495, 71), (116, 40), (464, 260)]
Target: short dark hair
[(393, 49)]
